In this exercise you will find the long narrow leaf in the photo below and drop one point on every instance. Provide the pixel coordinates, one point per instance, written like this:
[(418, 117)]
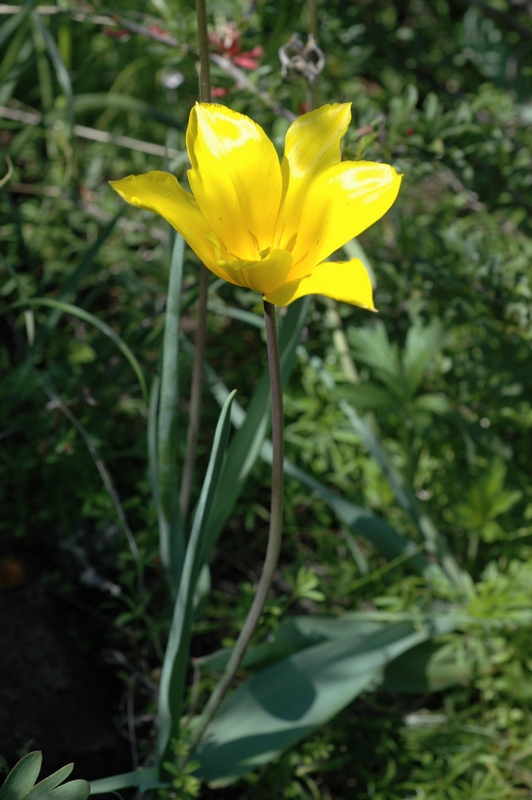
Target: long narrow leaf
[(59, 66), (153, 413), (123, 102), (293, 634), (11, 25), (171, 539), (177, 651), (143, 779)]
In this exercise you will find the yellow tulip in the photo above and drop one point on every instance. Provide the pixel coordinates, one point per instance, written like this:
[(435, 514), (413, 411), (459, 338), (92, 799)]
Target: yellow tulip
[(267, 225)]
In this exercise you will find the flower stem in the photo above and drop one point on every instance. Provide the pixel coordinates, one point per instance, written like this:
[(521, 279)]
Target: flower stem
[(201, 330), (203, 44), (312, 28), (275, 533)]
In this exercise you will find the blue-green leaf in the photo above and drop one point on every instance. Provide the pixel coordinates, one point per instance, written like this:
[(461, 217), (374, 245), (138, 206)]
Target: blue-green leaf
[(278, 707), (171, 538), (22, 777), (177, 651)]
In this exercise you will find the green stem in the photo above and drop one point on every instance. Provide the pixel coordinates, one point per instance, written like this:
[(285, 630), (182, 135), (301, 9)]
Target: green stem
[(312, 17), (312, 27), (203, 44), (201, 331), (275, 533)]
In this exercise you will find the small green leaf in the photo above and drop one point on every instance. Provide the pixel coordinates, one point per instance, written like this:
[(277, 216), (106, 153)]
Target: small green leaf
[(366, 396), (433, 403), (372, 347), (422, 344)]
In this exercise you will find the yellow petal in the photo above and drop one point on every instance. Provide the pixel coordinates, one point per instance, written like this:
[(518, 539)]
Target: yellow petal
[(235, 177), (312, 145), (160, 192), (347, 281), (262, 276), (341, 203)]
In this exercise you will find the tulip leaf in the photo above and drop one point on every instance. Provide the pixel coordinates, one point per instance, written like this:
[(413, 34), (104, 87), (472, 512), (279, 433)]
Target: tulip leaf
[(176, 657), (292, 635), (165, 477), (143, 779), (281, 705), (430, 667), (427, 667)]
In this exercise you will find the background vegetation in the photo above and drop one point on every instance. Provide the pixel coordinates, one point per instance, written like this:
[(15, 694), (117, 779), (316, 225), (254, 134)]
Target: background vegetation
[(420, 416)]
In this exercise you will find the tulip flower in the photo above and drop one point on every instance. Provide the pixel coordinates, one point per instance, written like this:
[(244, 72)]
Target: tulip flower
[(266, 225)]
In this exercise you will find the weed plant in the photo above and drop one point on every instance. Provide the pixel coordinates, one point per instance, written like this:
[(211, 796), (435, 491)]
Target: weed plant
[(443, 374)]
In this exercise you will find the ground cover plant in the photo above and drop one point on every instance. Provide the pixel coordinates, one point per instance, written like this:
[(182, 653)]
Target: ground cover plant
[(393, 656)]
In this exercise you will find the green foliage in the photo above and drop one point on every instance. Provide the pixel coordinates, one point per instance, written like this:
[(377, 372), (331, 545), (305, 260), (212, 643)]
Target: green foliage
[(417, 501), (21, 784)]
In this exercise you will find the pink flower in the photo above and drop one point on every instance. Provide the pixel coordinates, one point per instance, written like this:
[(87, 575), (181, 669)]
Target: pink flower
[(225, 42)]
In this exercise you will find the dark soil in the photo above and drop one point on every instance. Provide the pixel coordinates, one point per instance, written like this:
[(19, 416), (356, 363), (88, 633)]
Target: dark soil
[(52, 697)]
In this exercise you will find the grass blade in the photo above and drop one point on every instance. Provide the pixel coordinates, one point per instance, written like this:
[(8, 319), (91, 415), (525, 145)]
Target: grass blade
[(68, 291), (58, 64), (86, 316), (10, 26)]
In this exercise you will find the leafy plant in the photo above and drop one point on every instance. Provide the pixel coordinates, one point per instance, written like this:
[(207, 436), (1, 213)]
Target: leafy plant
[(21, 784)]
